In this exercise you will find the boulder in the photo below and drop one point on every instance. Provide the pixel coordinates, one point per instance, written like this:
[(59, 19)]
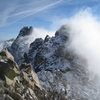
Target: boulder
[(6, 55)]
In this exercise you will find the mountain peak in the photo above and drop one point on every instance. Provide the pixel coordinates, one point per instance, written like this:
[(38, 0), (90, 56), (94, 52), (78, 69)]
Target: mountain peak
[(25, 31)]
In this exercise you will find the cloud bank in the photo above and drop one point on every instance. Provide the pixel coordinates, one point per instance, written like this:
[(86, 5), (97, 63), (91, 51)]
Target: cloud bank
[(84, 32), (39, 33)]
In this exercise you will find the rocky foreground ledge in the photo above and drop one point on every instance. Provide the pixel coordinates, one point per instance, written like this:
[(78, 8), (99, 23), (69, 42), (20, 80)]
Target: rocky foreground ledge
[(18, 82)]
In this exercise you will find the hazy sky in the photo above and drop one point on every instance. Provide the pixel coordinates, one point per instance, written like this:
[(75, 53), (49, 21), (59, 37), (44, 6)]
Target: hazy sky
[(46, 14)]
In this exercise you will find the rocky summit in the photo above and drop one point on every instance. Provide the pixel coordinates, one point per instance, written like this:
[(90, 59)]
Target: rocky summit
[(45, 69), (21, 44)]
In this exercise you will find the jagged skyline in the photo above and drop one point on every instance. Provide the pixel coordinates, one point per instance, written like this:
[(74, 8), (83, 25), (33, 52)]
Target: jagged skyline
[(15, 14)]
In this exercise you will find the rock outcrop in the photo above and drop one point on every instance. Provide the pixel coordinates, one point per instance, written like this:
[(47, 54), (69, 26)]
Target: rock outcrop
[(18, 82)]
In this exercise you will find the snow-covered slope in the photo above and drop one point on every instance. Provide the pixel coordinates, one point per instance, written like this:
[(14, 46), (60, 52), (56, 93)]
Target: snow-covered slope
[(62, 71), (21, 44)]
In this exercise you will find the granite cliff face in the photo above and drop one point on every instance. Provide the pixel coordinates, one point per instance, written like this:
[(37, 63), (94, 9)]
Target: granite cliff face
[(63, 75)]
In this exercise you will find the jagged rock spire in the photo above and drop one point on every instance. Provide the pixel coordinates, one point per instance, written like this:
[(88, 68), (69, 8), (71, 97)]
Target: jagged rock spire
[(25, 31)]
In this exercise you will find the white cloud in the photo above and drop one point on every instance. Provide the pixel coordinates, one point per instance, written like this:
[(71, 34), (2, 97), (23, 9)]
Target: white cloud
[(39, 33), (84, 32), (35, 10)]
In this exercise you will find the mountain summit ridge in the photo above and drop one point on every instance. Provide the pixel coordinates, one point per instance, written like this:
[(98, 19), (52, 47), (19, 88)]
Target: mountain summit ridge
[(62, 73)]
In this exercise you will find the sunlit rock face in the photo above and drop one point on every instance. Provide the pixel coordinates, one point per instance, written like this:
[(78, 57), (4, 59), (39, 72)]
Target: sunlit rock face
[(18, 82)]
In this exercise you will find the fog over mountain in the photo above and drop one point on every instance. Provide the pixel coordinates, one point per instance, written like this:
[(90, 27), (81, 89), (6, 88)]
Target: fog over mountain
[(84, 32), (66, 61)]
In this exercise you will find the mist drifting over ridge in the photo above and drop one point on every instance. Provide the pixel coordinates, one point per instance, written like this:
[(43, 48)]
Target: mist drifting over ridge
[(84, 38), (84, 33)]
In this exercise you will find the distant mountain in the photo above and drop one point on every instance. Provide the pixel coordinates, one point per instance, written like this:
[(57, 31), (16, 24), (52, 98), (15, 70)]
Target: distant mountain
[(6, 43)]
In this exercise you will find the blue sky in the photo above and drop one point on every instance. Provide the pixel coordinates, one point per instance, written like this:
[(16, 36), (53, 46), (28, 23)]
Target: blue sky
[(14, 14)]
